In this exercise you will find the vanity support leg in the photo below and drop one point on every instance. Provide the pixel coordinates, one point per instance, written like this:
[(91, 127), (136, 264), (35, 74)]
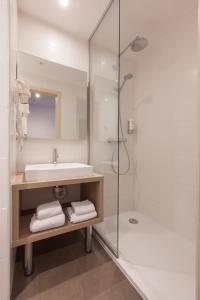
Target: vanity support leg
[(88, 239), (28, 259)]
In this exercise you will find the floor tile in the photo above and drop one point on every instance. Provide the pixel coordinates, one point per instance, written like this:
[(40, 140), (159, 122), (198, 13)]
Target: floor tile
[(63, 271)]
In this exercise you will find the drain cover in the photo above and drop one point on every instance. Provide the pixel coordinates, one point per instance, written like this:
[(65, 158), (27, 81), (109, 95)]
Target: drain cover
[(133, 221)]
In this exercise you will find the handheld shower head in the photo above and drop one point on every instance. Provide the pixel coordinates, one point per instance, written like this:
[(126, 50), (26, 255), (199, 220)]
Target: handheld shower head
[(126, 77)]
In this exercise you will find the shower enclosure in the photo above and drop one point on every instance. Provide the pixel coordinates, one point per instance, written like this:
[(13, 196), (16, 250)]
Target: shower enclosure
[(143, 138)]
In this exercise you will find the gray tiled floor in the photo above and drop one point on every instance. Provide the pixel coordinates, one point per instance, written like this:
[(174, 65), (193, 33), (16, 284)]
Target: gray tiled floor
[(63, 271)]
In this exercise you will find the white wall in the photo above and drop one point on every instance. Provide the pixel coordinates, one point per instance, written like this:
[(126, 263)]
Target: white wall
[(103, 120), (164, 105), (12, 130), (60, 47), (13, 63), (162, 98), (7, 162), (40, 39), (104, 125), (126, 186)]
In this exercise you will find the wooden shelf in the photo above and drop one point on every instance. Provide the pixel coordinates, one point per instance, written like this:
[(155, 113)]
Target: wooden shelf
[(20, 184), (91, 188), (26, 237)]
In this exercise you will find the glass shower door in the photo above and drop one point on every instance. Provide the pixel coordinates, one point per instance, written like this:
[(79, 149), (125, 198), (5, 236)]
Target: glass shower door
[(104, 73)]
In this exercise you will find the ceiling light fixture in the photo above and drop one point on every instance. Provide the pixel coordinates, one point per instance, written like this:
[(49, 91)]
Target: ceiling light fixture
[(64, 3)]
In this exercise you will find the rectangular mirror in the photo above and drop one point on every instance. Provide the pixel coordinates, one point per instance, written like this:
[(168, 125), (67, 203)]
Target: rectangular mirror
[(58, 102)]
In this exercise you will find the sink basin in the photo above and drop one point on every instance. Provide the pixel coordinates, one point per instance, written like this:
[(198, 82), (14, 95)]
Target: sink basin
[(56, 171)]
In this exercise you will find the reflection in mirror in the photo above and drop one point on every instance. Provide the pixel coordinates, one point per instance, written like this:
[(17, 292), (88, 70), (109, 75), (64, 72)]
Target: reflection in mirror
[(58, 103), (44, 117)]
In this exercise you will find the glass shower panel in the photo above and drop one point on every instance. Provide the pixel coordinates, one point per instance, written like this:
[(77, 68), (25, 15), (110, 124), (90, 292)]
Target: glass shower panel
[(104, 57), (157, 197)]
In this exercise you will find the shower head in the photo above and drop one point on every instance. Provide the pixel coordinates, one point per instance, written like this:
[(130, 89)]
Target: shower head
[(138, 44)]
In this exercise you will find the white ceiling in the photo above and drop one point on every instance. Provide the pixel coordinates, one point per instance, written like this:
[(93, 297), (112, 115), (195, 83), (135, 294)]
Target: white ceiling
[(146, 18), (79, 18)]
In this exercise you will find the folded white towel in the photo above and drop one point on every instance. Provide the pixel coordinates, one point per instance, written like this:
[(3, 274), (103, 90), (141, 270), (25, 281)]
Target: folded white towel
[(82, 207), (76, 219), (47, 210), (52, 222)]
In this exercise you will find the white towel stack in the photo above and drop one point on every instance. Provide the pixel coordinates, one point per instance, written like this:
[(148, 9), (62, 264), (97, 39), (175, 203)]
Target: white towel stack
[(47, 216), (81, 211)]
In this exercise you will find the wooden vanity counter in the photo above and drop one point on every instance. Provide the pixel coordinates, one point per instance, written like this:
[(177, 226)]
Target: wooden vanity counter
[(91, 187)]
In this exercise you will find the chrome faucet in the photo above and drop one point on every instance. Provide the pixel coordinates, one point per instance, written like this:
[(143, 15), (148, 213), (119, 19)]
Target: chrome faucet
[(55, 156)]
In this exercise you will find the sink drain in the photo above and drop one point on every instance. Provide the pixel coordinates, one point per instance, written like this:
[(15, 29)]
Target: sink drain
[(133, 221)]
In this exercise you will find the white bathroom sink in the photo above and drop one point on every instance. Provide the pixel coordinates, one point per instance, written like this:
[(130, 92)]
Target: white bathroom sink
[(56, 171)]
